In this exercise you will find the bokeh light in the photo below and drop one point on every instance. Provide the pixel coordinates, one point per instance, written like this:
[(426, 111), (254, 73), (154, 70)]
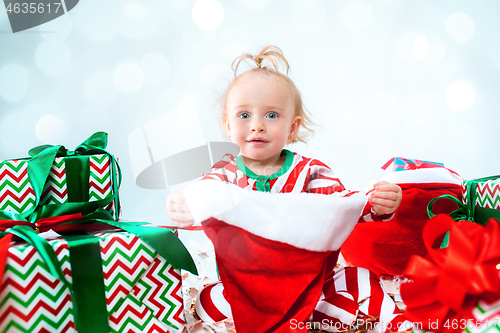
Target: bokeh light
[(357, 15), (98, 25), (212, 73), (128, 77), (233, 49), (197, 38), (156, 68), (138, 21), (14, 81), (182, 4), (390, 2), (99, 89), (406, 47), (57, 30), (52, 57), (416, 110), (460, 27), (308, 15), (94, 118), (436, 49), (50, 129), (380, 109), (254, 5), (421, 47), (208, 14), (13, 125), (136, 10), (168, 100), (460, 96)]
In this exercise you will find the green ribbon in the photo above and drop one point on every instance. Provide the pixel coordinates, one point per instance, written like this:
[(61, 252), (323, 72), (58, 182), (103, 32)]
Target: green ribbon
[(87, 290), (77, 178), (89, 300), (462, 213), (43, 247), (163, 240), (77, 160), (469, 211)]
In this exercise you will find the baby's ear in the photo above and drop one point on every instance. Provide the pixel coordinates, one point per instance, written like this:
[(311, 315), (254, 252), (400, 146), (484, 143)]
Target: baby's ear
[(296, 124), (225, 122)]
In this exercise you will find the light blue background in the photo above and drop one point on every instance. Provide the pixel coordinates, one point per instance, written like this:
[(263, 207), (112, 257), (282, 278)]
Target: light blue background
[(119, 66)]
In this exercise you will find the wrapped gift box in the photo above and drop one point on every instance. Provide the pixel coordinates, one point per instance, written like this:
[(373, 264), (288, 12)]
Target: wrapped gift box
[(482, 196), (142, 290), (55, 175), (18, 195)]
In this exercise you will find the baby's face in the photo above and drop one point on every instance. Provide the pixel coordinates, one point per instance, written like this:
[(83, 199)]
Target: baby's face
[(260, 116)]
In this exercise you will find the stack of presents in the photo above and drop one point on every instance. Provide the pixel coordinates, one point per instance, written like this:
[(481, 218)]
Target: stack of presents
[(68, 264)]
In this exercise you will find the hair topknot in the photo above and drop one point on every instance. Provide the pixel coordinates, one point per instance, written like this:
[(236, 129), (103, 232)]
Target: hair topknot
[(269, 53)]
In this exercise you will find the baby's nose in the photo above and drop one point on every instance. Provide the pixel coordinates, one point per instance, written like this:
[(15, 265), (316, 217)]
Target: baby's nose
[(257, 126)]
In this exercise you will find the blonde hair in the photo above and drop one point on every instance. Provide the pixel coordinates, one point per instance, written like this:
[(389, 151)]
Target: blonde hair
[(274, 57)]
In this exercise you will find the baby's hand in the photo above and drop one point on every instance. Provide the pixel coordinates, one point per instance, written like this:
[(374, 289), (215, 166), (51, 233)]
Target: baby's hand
[(386, 198), (177, 210)]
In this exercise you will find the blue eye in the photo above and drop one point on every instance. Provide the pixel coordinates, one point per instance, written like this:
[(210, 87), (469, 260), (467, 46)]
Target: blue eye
[(244, 115), (272, 115)]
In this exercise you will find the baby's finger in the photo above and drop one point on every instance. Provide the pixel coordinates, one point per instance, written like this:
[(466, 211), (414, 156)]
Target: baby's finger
[(177, 197), (183, 217), (382, 202), (382, 182), (385, 195), (387, 188), (179, 207), (182, 220)]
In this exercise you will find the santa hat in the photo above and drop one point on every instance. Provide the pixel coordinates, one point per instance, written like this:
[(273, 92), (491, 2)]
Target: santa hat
[(271, 249)]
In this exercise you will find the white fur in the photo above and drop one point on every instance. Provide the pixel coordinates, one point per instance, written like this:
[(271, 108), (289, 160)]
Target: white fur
[(313, 222), (428, 175)]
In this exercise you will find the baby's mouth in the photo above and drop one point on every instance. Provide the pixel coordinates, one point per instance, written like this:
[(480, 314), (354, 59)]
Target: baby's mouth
[(257, 141)]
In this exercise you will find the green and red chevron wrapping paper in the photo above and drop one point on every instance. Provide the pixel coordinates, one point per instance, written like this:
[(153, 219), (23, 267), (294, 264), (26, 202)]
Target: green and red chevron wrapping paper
[(485, 196), (143, 291), (17, 195), (487, 193)]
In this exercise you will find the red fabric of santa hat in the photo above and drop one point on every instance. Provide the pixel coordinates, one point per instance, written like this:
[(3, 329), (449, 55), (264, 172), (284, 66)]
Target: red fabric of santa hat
[(386, 247), (271, 249)]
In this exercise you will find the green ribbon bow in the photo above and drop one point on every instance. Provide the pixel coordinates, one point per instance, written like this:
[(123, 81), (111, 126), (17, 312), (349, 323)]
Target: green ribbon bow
[(77, 175)]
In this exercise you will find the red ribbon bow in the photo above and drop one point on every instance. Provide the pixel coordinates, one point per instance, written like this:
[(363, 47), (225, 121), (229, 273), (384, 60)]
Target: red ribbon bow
[(449, 283)]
